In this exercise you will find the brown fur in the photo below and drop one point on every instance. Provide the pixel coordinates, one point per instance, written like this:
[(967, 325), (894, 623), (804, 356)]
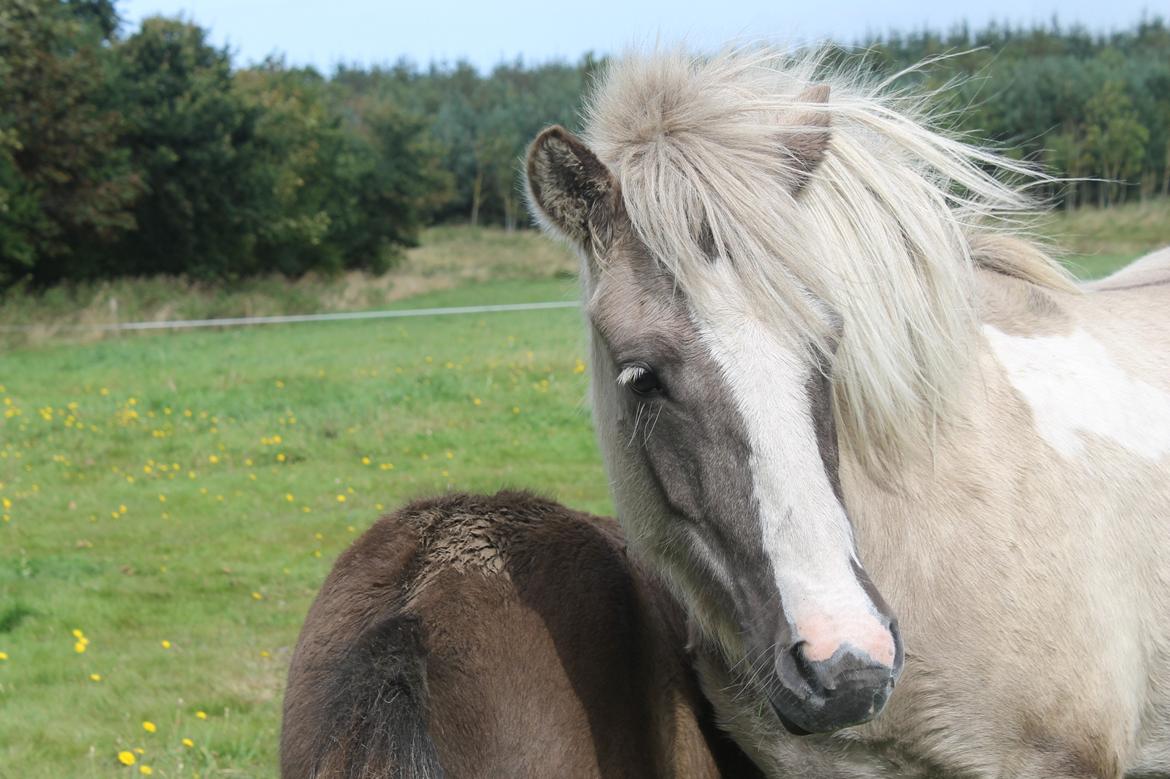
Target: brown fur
[(533, 647)]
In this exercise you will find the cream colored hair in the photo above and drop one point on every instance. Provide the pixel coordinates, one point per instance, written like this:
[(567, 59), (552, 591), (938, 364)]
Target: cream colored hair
[(712, 156)]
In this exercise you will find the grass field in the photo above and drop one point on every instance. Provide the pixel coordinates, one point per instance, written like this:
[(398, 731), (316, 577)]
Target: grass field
[(194, 489), (171, 502), (449, 257), (1097, 242)]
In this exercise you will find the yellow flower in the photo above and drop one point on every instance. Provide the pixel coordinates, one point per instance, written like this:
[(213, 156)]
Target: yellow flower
[(188, 743), (201, 715), (280, 457), (477, 401), (79, 647), (341, 499), (145, 769), (165, 644), (149, 726), (76, 633), (213, 459), (95, 677), (3, 656), (257, 596), (126, 757), (365, 461)]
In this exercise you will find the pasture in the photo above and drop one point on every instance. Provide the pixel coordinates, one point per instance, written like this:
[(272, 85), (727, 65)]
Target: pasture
[(178, 499), (171, 502)]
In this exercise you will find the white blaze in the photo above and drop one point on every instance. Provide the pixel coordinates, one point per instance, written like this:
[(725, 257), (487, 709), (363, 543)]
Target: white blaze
[(806, 533)]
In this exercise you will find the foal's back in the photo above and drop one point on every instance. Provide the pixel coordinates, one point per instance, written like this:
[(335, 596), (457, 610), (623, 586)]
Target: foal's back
[(493, 636)]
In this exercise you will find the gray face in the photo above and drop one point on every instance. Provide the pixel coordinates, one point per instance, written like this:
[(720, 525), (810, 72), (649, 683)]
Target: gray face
[(718, 437), (671, 411), (684, 437)]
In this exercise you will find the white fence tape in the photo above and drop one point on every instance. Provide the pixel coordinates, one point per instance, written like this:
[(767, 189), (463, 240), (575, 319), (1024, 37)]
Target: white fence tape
[(185, 324)]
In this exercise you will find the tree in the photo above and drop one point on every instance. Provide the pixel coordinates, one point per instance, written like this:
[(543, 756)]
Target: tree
[(66, 186), (1066, 153), (1114, 138), (191, 136), (299, 144), (397, 183)]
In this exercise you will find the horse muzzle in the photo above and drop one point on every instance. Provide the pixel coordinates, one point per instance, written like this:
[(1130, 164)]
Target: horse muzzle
[(822, 695)]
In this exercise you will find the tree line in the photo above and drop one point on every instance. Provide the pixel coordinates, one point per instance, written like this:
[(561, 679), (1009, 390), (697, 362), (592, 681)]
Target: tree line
[(1090, 107), (146, 151)]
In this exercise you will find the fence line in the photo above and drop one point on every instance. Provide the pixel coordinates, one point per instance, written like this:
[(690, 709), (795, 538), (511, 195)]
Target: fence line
[(186, 324)]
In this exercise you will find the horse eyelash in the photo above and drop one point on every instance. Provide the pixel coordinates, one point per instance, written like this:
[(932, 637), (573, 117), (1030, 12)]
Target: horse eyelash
[(630, 374)]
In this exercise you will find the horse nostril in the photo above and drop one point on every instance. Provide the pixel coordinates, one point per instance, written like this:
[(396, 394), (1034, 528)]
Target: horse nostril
[(822, 695), (798, 674), (802, 666)]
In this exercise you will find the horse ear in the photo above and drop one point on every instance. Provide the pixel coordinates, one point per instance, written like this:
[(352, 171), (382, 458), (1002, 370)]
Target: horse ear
[(570, 190), (807, 144)]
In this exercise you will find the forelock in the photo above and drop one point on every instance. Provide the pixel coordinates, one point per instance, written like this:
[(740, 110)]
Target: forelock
[(707, 150)]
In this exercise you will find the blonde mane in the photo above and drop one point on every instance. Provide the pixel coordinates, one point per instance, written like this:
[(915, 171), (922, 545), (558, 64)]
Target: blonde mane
[(885, 231)]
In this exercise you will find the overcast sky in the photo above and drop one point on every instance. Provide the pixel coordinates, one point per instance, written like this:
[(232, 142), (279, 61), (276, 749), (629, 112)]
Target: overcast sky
[(326, 32)]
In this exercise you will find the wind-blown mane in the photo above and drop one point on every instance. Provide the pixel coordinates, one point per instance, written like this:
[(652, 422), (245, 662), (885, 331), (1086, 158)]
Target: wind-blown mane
[(885, 230)]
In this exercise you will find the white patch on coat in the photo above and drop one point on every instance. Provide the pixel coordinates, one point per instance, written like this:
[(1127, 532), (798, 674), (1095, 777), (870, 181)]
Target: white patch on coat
[(806, 533), (1074, 388)]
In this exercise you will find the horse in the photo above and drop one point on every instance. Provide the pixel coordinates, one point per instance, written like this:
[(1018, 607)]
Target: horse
[(910, 480), (503, 635)]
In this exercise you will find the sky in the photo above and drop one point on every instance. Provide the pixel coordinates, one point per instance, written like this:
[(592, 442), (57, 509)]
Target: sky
[(485, 32)]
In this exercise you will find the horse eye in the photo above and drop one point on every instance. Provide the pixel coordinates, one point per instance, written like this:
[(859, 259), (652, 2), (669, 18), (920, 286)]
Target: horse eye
[(642, 380)]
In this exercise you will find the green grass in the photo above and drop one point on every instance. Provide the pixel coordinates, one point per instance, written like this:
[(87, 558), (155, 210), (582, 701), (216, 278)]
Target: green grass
[(449, 257), (185, 487), (104, 432), (1098, 242)]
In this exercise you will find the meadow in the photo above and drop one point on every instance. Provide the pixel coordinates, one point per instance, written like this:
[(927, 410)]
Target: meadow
[(171, 501)]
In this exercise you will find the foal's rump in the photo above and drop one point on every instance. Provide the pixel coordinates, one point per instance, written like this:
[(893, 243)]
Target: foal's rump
[(492, 636)]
